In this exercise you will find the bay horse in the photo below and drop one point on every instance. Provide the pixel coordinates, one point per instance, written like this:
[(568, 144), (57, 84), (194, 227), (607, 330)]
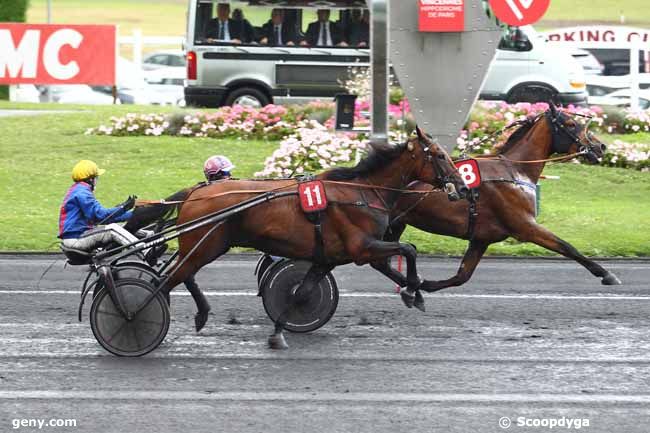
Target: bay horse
[(163, 216), (360, 200), (504, 205)]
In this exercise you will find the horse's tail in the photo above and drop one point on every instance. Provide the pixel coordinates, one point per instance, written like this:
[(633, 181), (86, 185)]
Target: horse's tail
[(159, 213)]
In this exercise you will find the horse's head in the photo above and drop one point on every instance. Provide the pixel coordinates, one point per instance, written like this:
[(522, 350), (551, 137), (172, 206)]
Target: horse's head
[(434, 166), (570, 136)]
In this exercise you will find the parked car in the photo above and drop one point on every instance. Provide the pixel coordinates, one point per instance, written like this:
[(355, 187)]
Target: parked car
[(171, 75), (589, 62), (132, 88), (24, 93), (75, 94), (527, 68), (622, 98), (164, 59)]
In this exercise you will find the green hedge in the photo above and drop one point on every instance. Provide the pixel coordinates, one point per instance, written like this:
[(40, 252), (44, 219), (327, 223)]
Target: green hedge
[(12, 11)]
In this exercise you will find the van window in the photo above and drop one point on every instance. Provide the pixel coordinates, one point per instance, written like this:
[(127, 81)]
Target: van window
[(515, 40), (237, 23)]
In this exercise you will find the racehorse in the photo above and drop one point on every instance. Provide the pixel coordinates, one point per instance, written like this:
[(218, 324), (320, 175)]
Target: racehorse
[(162, 215), (360, 200), (504, 205)]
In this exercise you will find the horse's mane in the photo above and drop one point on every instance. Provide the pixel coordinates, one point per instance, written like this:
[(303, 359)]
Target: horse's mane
[(378, 158), (516, 136)]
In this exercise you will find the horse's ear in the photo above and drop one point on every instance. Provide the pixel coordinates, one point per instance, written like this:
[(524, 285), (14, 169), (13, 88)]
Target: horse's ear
[(421, 135), (552, 107)]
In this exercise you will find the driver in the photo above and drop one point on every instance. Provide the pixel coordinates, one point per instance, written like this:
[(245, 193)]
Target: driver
[(217, 167), (80, 212)]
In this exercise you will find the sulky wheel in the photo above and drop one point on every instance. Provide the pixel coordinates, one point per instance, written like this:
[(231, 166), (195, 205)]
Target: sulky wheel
[(307, 315), (134, 270), (135, 337), (263, 264)]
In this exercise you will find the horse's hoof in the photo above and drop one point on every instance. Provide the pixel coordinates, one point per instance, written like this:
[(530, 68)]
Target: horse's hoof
[(200, 319), (408, 298), (419, 302), (611, 280), (277, 342)]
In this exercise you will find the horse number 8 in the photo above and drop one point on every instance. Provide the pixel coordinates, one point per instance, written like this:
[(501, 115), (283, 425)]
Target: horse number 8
[(467, 173)]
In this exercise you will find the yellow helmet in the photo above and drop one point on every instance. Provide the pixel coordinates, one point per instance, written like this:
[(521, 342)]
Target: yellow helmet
[(86, 169)]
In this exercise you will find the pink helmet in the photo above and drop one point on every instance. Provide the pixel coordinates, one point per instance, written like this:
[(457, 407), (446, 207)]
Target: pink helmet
[(217, 164)]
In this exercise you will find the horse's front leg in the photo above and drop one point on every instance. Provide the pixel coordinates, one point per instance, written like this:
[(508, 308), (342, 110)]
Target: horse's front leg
[(379, 252), (384, 265), (467, 267)]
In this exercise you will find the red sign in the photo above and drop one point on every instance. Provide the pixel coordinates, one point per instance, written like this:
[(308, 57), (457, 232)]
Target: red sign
[(470, 172), (442, 15), (312, 196), (519, 12), (57, 54)]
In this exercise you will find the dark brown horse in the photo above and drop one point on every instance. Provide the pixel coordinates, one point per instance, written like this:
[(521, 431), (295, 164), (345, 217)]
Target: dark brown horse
[(351, 228), (505, 206), (162, 215)]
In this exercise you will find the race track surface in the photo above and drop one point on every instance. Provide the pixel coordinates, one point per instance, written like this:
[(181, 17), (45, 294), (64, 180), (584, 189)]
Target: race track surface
[(530, 340)]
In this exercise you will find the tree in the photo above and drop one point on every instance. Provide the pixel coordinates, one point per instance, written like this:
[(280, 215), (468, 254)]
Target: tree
[(13, 11)]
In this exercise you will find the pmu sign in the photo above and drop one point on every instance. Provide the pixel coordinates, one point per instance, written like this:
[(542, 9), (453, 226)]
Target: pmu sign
[(57, 54), (519, 12)]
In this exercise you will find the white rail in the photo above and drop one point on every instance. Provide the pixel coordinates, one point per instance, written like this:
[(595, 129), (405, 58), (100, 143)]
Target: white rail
[(138, 41)]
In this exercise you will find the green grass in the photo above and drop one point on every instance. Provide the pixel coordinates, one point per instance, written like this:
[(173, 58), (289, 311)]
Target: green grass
[(602, 211), (569, 12), (37, 154)]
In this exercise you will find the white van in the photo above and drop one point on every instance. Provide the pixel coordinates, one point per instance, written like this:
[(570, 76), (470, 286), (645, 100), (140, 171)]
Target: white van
[(527, 68), (248, 72)]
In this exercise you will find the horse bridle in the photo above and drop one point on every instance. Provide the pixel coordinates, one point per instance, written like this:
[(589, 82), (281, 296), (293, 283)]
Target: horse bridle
[(554, 117), (434, 160)]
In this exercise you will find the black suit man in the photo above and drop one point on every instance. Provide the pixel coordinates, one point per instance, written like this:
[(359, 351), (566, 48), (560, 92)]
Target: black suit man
[(275, 32), (323, 33), (224, 29)]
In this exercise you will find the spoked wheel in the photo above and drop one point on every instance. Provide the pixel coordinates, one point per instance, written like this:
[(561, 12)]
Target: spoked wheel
[(135, 337), (307, 314)]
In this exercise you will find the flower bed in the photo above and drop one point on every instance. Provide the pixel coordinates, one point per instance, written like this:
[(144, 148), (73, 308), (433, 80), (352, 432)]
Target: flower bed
[(289, 123), (311, 149)]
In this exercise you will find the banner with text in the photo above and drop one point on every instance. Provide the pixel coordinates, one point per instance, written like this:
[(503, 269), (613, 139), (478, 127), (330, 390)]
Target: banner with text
[(57, 54), (442, 15)]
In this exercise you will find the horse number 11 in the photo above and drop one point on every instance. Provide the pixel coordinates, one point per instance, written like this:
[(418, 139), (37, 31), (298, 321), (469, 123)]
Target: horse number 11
[(312, 196), (310, 199)]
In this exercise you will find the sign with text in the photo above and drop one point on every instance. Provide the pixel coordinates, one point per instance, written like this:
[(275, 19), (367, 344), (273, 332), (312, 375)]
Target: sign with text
[(470, 172), (57, 54), (442, 15), (600, 36), (519, 12), (312, 196)]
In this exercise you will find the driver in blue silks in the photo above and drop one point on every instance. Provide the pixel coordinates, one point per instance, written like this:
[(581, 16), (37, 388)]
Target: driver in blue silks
[(81, 211)]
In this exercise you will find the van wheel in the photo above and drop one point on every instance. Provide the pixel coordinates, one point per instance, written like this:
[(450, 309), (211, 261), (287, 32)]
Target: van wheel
[(247, 96), (532, 94)]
